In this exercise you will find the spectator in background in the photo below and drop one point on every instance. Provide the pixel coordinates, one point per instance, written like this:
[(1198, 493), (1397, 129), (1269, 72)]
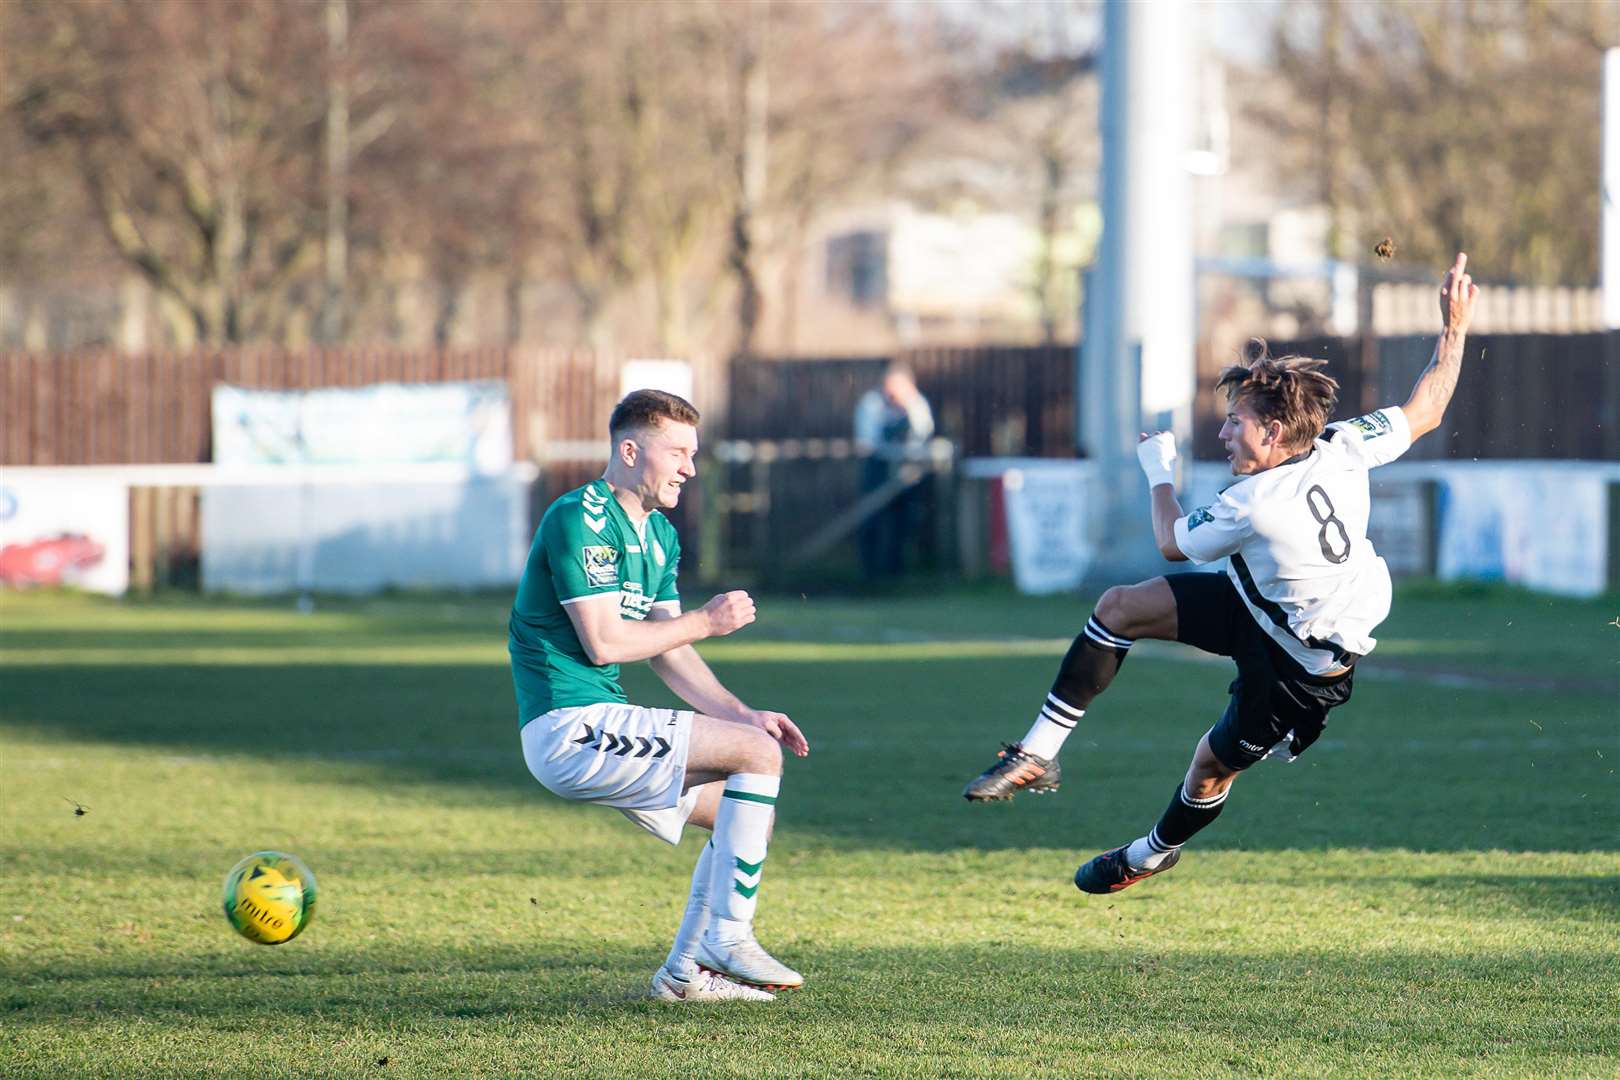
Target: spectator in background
[(893, 423)]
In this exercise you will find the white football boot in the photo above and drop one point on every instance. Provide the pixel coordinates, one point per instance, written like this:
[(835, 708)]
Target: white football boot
[(746, 962), (703, 986)]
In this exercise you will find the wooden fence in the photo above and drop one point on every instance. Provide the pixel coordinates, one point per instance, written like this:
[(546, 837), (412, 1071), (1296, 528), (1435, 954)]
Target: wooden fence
[(1520, 395), (1401, 308), (104, 408), (988, 401)]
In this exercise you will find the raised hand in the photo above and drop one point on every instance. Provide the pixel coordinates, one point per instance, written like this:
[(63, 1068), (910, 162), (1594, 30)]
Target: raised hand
[(1457, 295), (1157, 455)]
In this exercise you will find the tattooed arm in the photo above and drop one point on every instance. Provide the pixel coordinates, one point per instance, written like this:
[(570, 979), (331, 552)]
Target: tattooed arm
[(1434, 387)]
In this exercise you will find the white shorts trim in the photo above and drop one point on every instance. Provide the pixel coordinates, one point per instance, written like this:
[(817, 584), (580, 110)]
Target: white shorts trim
[(668, 824), (620, 755)]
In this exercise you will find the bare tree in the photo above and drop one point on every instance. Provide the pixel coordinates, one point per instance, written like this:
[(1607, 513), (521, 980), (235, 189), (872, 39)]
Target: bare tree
[(1451, 124), (189, 126), (853, 90), (285, 171)]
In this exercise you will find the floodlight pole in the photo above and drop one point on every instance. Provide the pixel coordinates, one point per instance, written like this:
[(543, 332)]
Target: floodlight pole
[(1136, 365), (1611, 189), (304, 568)]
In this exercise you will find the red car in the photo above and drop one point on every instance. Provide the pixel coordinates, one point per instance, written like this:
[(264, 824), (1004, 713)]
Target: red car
[(45, 562)]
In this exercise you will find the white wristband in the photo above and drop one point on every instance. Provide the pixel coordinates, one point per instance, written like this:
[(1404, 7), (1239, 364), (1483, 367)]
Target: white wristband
[(1157, 474), (1157, 454)]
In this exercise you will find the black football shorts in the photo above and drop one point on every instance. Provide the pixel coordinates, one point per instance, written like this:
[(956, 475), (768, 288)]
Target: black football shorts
[(1272, 695)]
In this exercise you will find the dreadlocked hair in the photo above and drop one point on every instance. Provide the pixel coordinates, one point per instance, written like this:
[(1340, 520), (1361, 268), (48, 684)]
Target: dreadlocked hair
[(1289, 389)]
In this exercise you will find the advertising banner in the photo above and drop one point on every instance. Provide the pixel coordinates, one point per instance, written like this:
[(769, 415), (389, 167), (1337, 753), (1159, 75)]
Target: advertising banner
[(64, 531), (356, 537), (463, 423), (1541, 527), (1399, 524), (1046, 524)]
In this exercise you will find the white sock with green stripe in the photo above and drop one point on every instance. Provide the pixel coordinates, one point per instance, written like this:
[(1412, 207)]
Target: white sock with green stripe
[(682, 961), (742, 828)]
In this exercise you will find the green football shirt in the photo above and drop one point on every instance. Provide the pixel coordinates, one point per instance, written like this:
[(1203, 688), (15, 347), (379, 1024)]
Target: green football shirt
[(585, 546)]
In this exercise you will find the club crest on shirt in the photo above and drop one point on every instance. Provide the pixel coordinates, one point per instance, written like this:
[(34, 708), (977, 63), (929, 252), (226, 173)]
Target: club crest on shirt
[(657, 551), (1200, 516), (601, 565)]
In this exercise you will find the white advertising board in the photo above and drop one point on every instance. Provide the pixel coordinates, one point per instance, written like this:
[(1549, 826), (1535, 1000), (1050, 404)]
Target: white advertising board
[(464, 423), (355, 537), (1046, 524), (670, 376), (64, 529), (1543, 527)]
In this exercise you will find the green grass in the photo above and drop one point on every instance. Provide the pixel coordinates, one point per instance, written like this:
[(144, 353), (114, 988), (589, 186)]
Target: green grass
[(1433, 891)]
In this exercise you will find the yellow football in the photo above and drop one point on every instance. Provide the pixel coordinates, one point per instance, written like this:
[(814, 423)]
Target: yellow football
[(269, 897)]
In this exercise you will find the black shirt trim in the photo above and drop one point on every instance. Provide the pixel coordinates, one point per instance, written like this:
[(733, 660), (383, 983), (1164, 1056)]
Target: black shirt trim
[(1279, 617)]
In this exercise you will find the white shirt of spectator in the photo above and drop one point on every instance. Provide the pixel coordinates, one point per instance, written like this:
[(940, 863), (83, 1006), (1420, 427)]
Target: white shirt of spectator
[(876, 419), (1296, 535)]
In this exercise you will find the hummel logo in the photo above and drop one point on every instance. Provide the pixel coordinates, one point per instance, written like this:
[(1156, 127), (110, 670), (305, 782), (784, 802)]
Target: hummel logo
[(596, 523), (621, 745)]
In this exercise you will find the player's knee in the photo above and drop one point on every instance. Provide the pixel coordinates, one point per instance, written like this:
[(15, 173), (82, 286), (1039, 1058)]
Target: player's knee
[(1209, 775), (1113, 610), (759, 753), (1204, 786)]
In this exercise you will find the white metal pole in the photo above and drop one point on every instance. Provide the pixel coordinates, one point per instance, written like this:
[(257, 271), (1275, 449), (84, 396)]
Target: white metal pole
[(1611, 189), (1137, 366)]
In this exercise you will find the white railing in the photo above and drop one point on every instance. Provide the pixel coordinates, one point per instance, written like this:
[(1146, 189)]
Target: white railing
[(1413, 308)]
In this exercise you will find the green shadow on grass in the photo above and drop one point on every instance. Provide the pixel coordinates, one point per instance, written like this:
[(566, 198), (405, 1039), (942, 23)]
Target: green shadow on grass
[(1410, 766)]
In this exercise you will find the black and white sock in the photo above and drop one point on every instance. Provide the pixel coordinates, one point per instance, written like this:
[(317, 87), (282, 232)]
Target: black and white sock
[(1087, 669), (1057, 719), (1181, 821)]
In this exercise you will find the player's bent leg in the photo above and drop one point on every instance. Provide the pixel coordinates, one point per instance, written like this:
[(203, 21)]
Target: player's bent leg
[(1197, 802), (682, 962), (1208, 776), (1125, 613), (719, 748), (742, 829), (749, 763), (680, 979), (1144, 610), (707, 804)]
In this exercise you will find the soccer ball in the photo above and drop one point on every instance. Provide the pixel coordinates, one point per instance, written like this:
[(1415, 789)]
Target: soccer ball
[(270, 897)]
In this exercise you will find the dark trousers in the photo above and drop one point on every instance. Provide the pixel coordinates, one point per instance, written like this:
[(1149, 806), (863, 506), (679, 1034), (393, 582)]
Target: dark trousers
[(884, 536)]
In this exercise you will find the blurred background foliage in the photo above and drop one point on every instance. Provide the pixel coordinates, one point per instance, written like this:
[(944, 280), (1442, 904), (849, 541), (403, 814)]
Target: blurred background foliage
[(651, 176)]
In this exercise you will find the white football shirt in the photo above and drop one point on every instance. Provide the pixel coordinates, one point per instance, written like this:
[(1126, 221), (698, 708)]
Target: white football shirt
[(1296, 535)]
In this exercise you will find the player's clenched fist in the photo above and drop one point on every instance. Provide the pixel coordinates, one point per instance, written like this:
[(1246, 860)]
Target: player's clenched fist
[(1157, 453), (729, 612)]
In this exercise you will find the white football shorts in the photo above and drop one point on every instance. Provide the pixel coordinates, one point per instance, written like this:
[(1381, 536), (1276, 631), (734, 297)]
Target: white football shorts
[(624, 756)]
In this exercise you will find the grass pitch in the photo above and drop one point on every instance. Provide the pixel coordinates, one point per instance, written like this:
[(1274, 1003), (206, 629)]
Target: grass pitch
[(1434, 890)]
